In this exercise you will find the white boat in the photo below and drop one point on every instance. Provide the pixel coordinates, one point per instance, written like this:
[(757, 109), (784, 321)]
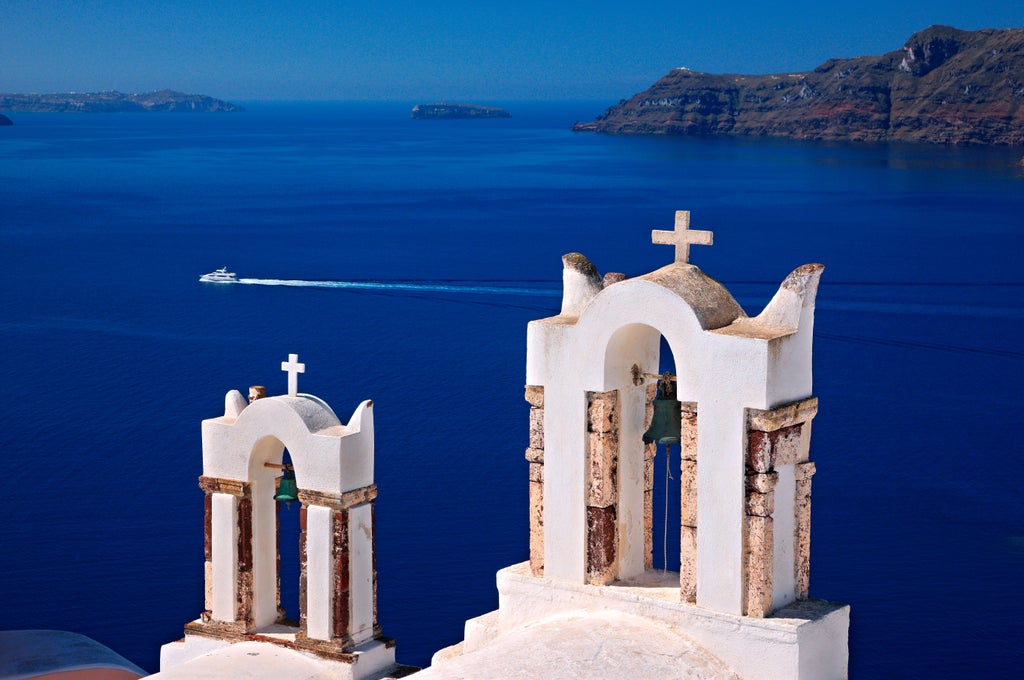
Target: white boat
[(222, 275)]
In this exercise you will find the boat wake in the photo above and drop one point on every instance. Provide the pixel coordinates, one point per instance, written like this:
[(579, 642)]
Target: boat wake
[(471, 288)]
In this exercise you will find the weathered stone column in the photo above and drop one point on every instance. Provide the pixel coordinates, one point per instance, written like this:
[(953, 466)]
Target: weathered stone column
[(303, 566), (227, 548), (804, 472), (778, 439), (650, 451), (535, 457), (760, 545), (602, 486), (688, 503), (207, 555), (338, 568)]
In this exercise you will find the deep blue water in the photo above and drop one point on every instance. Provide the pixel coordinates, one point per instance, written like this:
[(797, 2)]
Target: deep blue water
[(111, 353)]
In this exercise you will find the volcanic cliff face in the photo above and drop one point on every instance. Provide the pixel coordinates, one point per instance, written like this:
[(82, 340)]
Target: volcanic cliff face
[(945, 85), (112, 102)]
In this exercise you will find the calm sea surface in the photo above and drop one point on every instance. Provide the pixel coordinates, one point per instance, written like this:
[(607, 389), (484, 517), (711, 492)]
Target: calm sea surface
[(111, 352)]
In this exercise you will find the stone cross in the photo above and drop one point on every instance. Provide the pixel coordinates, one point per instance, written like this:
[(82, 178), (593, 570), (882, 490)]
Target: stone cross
[(682, 238), (292, 367)]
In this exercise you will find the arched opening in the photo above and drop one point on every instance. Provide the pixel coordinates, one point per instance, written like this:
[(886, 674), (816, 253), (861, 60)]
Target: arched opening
[(665, 486), (275, 540), (289, 521), (649, 483)]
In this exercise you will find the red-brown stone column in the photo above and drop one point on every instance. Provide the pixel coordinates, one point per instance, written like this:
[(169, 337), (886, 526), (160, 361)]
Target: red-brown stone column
[(341, 539), (760, 544), (245, 575), (602, 486), (243, 517), (342, 581)]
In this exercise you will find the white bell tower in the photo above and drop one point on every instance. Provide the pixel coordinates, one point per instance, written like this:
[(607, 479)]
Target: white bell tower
[(333, 468)]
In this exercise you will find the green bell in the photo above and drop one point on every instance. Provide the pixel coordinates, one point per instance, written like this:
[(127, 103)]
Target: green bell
[(287, 489), (667, 420)]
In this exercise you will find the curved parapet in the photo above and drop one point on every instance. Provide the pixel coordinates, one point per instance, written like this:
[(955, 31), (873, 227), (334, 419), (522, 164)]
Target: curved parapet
[(797, 293), (329, 456), (679, 299), (581, 282)]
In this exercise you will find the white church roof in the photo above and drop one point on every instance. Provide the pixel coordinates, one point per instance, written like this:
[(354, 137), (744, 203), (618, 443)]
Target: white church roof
[(604, 645)]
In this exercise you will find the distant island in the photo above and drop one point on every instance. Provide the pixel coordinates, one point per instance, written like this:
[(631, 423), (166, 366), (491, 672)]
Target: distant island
[(945, 85), (4, 120), (446, 111), (113, 102)]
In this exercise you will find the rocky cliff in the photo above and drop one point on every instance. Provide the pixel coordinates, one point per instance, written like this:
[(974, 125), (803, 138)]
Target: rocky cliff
[(945, 85), (112, 102)]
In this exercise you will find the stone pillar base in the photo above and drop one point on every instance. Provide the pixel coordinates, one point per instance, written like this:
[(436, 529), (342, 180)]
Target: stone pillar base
[(367, 660)]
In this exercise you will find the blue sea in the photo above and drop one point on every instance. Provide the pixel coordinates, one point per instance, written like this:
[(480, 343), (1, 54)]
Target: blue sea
[(112, 353)]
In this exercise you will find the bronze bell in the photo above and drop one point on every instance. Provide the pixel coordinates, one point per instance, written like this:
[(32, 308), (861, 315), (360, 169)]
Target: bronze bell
[(287, 489), (666, 422)]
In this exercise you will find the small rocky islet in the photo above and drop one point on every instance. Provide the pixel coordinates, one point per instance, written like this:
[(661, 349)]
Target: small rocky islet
[(449, 111)]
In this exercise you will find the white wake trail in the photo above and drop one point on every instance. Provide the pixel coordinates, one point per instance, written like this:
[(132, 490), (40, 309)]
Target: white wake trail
[(407, 286)]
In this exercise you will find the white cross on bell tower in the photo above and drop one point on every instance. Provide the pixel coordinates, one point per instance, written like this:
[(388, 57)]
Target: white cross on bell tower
[(292, 367), (682, 238)]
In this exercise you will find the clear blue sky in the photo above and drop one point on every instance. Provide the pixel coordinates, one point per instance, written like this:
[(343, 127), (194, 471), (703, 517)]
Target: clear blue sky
[(443, 49)]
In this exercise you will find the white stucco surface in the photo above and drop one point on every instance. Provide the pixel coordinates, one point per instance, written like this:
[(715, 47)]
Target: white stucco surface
[(264, 547), (225, 556), (328, 456), (604, 645), (217, 660), (807, 641), (361, 571), (319, 573), (784, 535)]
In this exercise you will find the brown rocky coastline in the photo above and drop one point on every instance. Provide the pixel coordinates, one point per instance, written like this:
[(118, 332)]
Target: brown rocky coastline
[(944, 85)]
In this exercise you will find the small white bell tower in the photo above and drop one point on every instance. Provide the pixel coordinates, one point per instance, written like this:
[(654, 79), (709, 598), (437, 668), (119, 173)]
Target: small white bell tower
[(333, 468)]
